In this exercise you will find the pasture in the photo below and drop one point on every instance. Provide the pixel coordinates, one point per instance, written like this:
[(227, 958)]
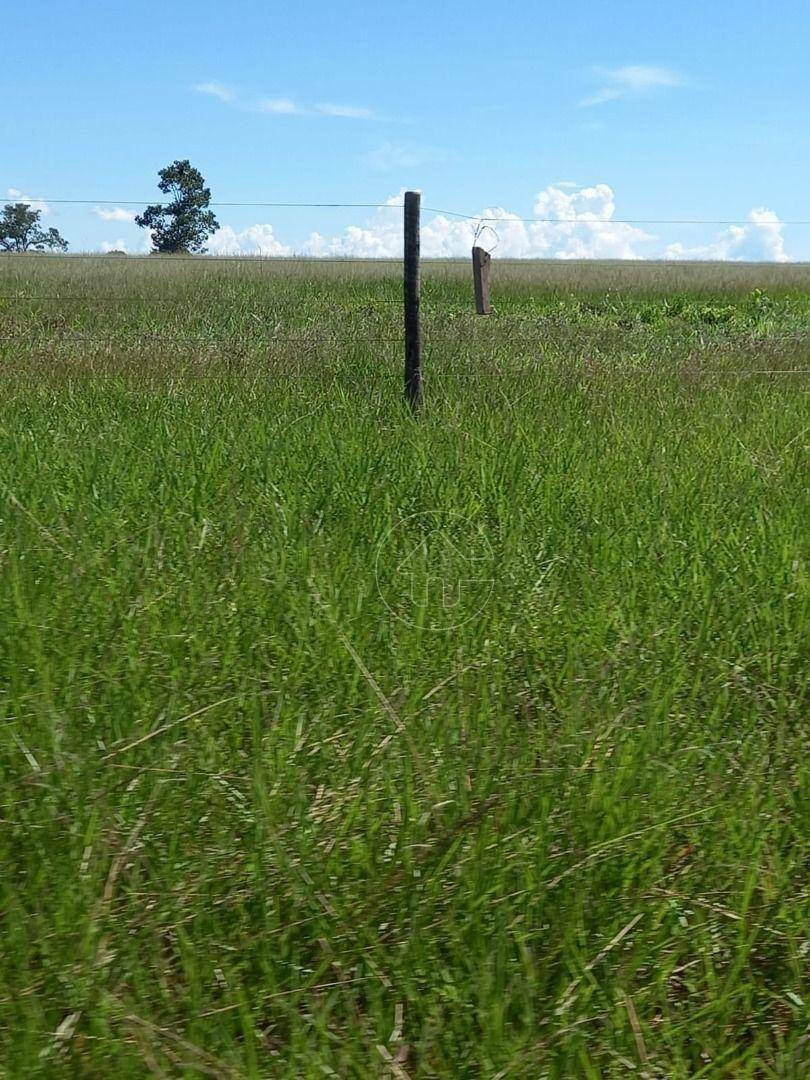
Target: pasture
[(271, 809)]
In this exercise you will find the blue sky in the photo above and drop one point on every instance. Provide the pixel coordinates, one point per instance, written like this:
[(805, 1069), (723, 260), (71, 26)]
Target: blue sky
[(682, 110)]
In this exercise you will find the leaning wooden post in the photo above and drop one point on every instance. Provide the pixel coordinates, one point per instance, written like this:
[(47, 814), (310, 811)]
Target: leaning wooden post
[(481, 260), (412, 282)]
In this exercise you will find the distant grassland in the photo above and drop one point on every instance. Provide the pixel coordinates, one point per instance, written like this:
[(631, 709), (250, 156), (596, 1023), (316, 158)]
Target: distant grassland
[(252, 823)]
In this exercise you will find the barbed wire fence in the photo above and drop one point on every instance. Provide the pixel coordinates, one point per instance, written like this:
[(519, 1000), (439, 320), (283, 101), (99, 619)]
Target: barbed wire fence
[(411, 263)]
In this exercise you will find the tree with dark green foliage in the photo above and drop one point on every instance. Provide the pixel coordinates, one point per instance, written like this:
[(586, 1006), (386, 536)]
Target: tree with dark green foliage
[(20, 230), (185, 223)]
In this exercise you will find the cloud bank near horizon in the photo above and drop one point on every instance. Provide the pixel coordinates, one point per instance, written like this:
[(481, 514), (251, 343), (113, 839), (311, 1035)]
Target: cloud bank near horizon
[(579, 222), (579, 225)]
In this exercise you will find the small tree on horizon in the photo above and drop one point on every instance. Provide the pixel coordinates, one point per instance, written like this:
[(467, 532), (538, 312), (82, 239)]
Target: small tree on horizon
[(20, 230), (184, 224)]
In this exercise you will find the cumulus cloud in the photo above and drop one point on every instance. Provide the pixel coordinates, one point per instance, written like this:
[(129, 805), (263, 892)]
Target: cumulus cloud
[(116, 213), (280, 106), (17, 196), (576, 225), (114, 245), (580, 226), (379, 238), (760, 241), (632, 80), (566, 222), (255, 240)]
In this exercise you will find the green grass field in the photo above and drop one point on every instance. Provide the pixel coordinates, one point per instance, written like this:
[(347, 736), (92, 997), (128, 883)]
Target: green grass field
[(277, 801)]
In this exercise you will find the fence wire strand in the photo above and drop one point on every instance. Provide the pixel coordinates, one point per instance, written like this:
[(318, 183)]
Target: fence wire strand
[(505, 217)]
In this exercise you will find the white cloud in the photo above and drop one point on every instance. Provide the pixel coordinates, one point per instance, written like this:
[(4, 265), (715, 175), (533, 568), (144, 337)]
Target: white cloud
[(282, 106), (347, 112), (632, 80), (577, 223), (255, 240), (580, 228), (15, 195), (759, 241), (217, 90), (381, 237), (115, 245), (117, 213)]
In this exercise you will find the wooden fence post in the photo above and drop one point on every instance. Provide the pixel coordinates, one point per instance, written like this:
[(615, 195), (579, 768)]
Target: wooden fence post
[(481, 260), (412, 283)]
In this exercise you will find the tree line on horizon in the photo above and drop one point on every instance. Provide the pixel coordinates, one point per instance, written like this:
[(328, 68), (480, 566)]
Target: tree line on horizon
[(180, 226)]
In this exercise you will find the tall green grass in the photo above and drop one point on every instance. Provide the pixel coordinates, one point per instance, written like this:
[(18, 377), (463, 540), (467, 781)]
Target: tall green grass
[(252, 823)]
